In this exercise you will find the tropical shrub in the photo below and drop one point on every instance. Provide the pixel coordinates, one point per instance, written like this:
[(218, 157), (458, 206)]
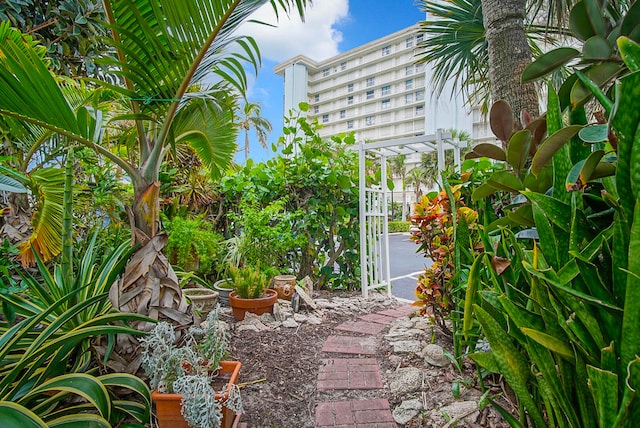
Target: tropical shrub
[(193, 245), (447, 234), (41, 368), (267, 235), (398, 226), (561, 312), (314, 181)]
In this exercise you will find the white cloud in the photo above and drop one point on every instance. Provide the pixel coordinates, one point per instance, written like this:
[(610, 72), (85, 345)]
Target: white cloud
[(316, 37)]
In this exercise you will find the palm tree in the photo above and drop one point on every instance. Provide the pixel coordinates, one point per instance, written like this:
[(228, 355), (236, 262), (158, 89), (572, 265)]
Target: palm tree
[(251, 119), (457, 44), (166, 53), (416, 178), (398, 169), (509, 54)]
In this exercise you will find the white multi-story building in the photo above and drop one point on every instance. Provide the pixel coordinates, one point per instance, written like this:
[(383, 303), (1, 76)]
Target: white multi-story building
[(377, 91)]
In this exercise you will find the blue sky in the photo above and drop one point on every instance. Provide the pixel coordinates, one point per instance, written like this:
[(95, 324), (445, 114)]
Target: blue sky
[(331, 27)]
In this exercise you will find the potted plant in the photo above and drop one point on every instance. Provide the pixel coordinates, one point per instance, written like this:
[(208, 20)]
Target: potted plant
[(192, 244), (192, 386), (250, 292), (198, 292)]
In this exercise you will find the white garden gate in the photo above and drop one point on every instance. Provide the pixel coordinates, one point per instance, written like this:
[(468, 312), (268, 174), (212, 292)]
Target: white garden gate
[(374, 233)]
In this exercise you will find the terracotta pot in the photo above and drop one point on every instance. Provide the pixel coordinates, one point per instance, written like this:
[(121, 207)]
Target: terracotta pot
[(258, 306), (168, 405), (285, 285)]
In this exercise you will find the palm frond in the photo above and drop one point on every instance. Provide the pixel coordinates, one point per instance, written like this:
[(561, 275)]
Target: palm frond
[(207, 125), (456, 46), (46, 239)]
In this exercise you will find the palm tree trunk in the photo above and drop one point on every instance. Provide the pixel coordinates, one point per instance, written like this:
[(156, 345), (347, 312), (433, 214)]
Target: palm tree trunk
[(145, 210), (246, 146), (509, 54), (404, 202)]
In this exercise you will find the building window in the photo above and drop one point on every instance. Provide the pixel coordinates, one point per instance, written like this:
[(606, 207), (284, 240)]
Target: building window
[(386, 90), (419, 95), (409, 42), (371, 81), (349, 124), (343, 114), (316, 109), (325, 72), (386, 104), (316, 98), (350, 100), (420, 67), (325, 117), (408, 98), (386, 50), (350, 87), (408, 84), (419, 38), (420, 110), (369, 120), (408, 70), (343, 65), (370, 94)]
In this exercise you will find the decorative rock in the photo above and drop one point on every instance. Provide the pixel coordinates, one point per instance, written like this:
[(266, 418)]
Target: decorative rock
[(406, 380), (407, 410), (422, 324), (395, 360), (314, 320), (407, 346), (277, 312), (434, 355), (324, 303), (300, 317), (305, 297), (290, 323), (308, 285), (248, 327), (402, 324), (458, 410), (411, 334)]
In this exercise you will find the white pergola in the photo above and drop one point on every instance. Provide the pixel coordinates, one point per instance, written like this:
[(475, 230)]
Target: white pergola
[(374, 232)]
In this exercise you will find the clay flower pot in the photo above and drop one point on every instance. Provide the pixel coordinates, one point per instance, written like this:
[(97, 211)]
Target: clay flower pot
[(168, 405), (258, 306), (285, 285)]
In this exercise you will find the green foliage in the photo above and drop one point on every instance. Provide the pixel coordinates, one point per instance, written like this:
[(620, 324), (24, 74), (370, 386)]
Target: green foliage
[(267, 235), (249, 282), (71, 31), (567, 304), (312, 186), (398, 226), (598, 24), (9, 278), (191, 368), (42, 365), (193, 245)]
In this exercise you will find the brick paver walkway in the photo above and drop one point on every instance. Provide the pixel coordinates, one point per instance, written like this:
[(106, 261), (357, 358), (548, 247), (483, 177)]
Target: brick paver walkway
[(349, 373), (361, 327), (350, 345), (355, 414), (379, 319), (356, 373), (399, 312)]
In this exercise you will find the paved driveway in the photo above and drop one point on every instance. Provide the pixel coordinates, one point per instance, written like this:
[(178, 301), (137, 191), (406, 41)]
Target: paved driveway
[(405, 265)]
